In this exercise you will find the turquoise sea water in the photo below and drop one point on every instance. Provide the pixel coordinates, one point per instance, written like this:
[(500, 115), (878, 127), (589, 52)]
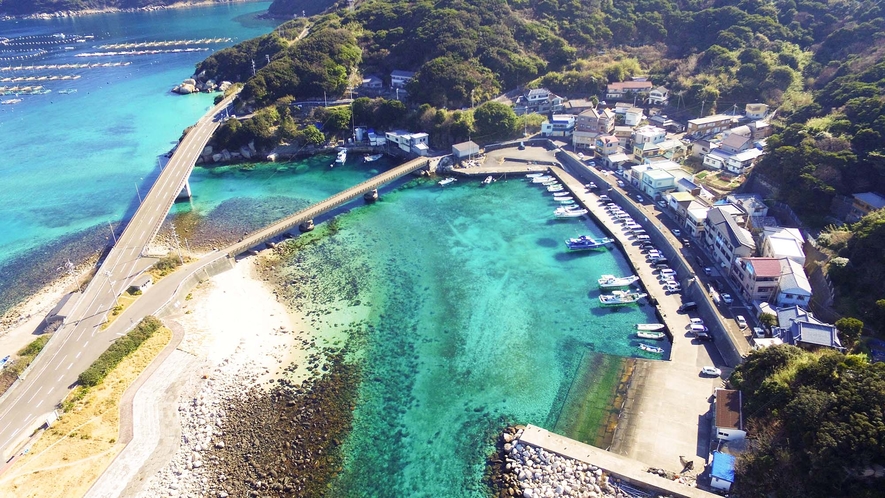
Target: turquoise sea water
[(72, 163), (479, 317)]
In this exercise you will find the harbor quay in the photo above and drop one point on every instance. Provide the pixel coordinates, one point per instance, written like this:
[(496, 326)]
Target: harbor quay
[(665, 418)]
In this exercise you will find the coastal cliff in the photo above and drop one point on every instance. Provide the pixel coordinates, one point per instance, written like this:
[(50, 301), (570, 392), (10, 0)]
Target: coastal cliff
[(67, 8)]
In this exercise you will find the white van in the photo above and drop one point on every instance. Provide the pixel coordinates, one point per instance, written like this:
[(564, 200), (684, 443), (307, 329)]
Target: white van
[(697, 328), (668, 271), (697, 321), (643, 237)]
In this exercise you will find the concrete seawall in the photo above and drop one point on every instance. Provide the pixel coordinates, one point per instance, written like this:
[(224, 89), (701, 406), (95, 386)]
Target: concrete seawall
[(693, 290)]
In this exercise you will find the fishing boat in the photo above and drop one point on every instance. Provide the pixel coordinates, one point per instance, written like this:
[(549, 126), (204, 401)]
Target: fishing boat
[(341, 157), (650, 326), (613, 282), (534, 175), (489, 179), (555, 188), (446, 181), (620, 298), (562, 194), (72, 90), (371, 158), (566, 201), (10, 101), (548, 183), (565, 212), (651, 349), (542, 179), (584, 243), (657, 336)]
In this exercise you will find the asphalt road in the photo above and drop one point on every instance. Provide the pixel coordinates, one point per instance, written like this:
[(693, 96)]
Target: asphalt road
[(80, 340)]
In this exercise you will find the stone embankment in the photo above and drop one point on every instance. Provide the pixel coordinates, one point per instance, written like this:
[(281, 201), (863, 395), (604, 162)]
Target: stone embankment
[(523, 470)]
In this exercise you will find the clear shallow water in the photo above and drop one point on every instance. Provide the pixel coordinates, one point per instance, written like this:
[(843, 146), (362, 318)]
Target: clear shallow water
[(71, 163), (478, 317)]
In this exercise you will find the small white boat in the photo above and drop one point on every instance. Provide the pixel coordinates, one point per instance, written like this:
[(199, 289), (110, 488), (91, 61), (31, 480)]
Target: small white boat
[(373, 157), (562, 194), (555, 188), (613, 282), (650, 326), (446, 181), (566, 201), (551, 182), (657, 336), (651, 349), (534, 175), (542, 179), (620, 298), (341, 157), (489, 179), (565, 212), (11, 101), (585, 242)]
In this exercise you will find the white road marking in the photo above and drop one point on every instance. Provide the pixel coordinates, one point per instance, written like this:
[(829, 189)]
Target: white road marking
[(60, 377), (78, 354), (33, 396), (69, 366)]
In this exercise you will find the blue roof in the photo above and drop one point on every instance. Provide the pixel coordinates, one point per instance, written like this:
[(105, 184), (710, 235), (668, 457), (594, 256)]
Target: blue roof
[(723, 466)]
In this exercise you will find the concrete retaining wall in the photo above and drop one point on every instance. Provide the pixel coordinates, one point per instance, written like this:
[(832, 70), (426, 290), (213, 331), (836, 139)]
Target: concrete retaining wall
[(199, 275), (693, 288)]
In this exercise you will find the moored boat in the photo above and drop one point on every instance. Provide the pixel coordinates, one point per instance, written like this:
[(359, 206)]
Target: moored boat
[(341, 157), (562, 194), (566, 201), (373, 157), (650, 326), (11, 101), (620, 298), (657, 336), (584, 243), (446, 181), (565, 212), (489, 179), (651, 349), (534, 175), (542, 179), (613, 282), (555, 188)]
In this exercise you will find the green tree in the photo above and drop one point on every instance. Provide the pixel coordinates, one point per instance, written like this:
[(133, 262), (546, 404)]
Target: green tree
[(311, 135), (849, 330), (494, 120)]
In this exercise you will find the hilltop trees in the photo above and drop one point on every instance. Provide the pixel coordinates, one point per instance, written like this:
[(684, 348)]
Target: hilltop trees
[(817, 422), (494, 120)]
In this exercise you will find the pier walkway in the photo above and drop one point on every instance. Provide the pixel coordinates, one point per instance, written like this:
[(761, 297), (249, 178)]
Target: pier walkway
[(626, 469), (336, 200), (81, 339)]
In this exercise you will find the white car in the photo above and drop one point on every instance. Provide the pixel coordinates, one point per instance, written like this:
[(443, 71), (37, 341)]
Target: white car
[(620, 184), (726, 298), (697, 321), (758, 332), (673, 287), (711, 371), (708, 271), (677, 232), (662, 204), (742, 322)]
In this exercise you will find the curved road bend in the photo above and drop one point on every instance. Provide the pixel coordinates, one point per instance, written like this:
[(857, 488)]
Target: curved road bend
[(80, 340)]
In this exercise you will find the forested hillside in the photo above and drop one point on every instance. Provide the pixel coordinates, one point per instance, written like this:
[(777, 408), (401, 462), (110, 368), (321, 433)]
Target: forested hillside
[(816, 421)]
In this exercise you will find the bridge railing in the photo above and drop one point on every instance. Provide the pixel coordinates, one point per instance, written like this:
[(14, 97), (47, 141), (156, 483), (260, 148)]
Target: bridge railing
[(310, 212)]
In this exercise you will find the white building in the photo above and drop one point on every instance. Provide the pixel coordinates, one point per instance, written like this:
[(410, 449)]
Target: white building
[(465, 150), (793, 287), (658, 96), (756, 111), (633, 116), (560, 125), (398, 78), (649, 135), (733, 163), (725, 237), (415, 143), (779, 242)]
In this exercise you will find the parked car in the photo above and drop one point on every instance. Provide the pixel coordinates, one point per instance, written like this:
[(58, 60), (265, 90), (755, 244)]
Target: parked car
[(696, 321), (758, 332), (704, 336), (677, 232), (639, 198), (713, 371), (707, 270), (620, 184), (662, 204), (741, 321), (726, 298), (688, 306)]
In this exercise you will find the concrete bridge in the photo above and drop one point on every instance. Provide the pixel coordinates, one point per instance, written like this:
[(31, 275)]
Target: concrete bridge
[(308, 214)]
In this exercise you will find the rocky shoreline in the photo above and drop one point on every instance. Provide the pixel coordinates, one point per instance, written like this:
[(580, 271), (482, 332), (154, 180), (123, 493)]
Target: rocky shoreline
[(523, 470)]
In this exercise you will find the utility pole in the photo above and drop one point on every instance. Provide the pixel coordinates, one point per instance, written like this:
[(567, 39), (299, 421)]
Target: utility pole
[(112, 233), (703, 102)]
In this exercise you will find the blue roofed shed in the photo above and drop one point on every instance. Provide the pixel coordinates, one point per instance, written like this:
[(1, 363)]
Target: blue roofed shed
[(722, 471)]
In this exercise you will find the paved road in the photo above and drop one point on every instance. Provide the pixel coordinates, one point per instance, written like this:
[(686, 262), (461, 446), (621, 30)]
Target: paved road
[(80, 340)]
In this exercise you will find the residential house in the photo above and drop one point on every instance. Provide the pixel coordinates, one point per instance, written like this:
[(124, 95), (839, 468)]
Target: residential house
[(606, 145), (624, 135), (779, 242), (794, 289), (415, 143), (729, 418), (757, 278), (623, 89), (465, 150), (756, 111), (658, 96), (538, 100), (590, 124), (863, 205), (649, 134), (655, 182), (372, 82), (755, 131), (664, 122), (722, 471), (725, 237), (577, 106), (667, 150), (695, 218), (702, 147), (710, 124), (752, 204), (645, 151), (733, 163), (616, 160), (558, 125), (799, 327), (735, 143), (633, 116), (399, 78)]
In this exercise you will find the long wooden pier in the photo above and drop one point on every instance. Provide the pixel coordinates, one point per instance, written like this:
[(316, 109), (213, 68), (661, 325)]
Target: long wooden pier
[(343, 197)]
